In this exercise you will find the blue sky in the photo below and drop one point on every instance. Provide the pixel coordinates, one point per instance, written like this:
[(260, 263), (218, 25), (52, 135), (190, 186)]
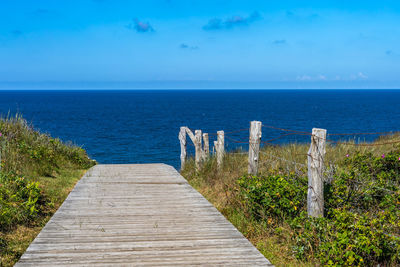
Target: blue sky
[(199, 44)]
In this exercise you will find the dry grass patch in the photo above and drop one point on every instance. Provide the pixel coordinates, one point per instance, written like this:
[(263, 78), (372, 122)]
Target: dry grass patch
[(362, 202)]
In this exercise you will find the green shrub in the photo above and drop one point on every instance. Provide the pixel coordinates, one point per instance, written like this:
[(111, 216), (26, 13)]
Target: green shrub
[(275, 195), (362, 208), (27, 158), (346, 239), (362, 211), (19, 201), (27, 154)]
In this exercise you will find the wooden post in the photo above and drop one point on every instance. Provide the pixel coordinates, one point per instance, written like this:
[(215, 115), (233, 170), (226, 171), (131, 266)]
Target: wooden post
[(191, 135), (206, 145), (316, 154), (198, 148), (182, 140), (254, 146), (220, 148)]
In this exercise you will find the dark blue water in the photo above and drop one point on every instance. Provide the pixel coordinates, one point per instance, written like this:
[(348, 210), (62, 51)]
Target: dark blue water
[(142, 126)]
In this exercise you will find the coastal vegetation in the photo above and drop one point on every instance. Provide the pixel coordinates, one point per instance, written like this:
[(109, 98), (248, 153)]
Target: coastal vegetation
[(37, 173), (360, 227)]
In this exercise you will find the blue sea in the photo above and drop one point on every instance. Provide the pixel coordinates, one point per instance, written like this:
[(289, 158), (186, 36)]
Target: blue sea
[(141, 126)]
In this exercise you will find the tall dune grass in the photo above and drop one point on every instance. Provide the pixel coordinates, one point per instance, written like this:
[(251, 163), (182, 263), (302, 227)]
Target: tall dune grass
[(37, 172)]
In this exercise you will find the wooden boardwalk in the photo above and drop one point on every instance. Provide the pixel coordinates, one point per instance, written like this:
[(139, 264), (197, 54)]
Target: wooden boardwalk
[(140, 215)]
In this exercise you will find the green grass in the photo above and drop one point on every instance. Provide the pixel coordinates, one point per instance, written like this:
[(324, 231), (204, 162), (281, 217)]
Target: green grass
[(37, 173), (362, 211)]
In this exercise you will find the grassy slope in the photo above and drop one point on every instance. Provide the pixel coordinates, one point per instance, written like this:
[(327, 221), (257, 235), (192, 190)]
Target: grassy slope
[(219, 189), (30, 158), (273, 238)]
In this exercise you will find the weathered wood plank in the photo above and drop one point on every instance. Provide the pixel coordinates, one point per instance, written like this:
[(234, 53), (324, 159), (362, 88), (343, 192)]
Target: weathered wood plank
[(145, 215)]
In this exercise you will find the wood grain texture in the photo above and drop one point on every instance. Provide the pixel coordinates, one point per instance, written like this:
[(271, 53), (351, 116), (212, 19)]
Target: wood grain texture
[(182, 141), (198, 157), (206, 145), (315, 192), (138, 215), (254, 146), (220, 148)]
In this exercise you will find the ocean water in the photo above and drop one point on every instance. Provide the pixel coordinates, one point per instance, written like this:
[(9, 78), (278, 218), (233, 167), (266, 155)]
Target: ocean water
[(142, 126)]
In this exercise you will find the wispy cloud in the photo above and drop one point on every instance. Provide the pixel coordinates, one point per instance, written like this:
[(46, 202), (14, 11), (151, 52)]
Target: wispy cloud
[(41, 11), (393, 54), (189, 47), (305, 77), (231, 22), (321, 77), (16, 33), (362, 75), (289, 13), (279, 42), (300, 16), (358, 76), (140, 26), (213, 24)]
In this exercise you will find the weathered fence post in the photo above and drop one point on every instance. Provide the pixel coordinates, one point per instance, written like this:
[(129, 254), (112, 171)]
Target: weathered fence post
[(220, 148), (315, 194), (206, 145), (254, 146), (198, 148), (182, 140)]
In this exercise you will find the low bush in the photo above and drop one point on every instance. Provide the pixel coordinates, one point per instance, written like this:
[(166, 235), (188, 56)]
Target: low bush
[(36, 172), (20, 200), (282, 197), (362, 210), (361, 223)]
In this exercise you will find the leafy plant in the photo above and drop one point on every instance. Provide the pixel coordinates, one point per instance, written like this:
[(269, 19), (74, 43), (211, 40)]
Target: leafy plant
[(36, 172), (362, 210), (20, 200), (275, 195)]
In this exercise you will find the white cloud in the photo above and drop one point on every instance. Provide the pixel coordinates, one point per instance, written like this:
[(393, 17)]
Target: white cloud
[(362, 75), (303, 78), (358, 76)]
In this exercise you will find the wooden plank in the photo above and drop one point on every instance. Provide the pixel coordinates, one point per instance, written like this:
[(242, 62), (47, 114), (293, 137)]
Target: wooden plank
[(138, 215)]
